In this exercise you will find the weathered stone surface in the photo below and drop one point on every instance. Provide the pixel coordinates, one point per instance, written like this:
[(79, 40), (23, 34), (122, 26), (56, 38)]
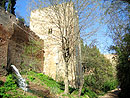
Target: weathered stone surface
[(13, 36), (42, 22), (3, 50), (112, 58)]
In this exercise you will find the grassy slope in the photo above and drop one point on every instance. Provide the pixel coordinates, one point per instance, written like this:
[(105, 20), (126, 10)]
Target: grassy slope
[(40, 86)]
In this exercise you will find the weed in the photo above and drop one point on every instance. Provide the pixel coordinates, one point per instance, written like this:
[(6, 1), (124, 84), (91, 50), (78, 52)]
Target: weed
[(8, 85), (31, 78)]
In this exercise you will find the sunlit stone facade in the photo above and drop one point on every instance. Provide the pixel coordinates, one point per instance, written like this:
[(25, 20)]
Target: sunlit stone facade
[(44, 23)]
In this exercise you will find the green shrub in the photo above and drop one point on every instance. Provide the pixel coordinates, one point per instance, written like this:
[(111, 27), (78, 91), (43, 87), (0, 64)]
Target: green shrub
[(89, 80), (75, 92), (86, 91), (109, 85), (90, 93), (98, 86), (98, 69), (8, 85)]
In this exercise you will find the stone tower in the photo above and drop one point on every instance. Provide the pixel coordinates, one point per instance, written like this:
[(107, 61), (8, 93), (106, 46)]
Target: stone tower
[(44, 22)]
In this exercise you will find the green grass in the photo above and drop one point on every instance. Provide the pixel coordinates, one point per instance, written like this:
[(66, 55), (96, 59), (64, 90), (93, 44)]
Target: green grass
[(58, 87), (54, 86), (9, 89)]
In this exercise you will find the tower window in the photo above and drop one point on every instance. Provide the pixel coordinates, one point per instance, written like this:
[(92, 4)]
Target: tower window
[(50, 31)]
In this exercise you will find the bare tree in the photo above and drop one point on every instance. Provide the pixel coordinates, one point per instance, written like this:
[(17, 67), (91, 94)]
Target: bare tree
[(117, 16), (70, 18)]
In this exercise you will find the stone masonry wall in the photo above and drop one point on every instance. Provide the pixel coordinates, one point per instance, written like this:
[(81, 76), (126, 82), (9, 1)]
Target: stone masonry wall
[(13, 37), (3, 50)]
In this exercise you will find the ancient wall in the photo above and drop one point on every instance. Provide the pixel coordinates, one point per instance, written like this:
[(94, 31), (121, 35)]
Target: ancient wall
[(3, 50), (6, 30), (14, 35), (112, 58)]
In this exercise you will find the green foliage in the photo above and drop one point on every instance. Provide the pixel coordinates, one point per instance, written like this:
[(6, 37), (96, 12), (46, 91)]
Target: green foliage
[(27, 82), (123, 66), (120, 32), (3, 3), (57, 87), (98, 70), (21, 19), (109, 85), (119, 29), (31, 78), (75, 92), (9, 89), (10, 82), (32, 48), (11, 6), (90, 93), (48, 81), (89, 81), (32, 56), (8, 85)]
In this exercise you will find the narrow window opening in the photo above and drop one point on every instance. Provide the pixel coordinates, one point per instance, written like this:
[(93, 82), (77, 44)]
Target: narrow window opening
[(50, 31)]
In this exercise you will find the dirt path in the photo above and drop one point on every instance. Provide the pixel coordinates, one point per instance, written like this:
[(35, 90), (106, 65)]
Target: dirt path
[(111, 94)]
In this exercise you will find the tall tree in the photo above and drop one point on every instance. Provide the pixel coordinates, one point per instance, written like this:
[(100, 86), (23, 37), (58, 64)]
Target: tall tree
[(126, 1), (98, 69), (71, 17), (11, 6), (3, 3), (119, 29)]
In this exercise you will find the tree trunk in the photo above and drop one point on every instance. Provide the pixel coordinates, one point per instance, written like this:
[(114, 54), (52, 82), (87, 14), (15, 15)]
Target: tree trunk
[(80, 88), (81, 70), (66, 81)]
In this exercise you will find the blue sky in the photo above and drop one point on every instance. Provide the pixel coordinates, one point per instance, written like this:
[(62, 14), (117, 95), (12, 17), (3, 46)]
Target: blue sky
[(103, 41), (21, 8)]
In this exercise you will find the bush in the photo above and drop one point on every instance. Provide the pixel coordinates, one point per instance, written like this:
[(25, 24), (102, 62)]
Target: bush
[(109, 85), (89, 80), (8, 85), (97, 68), (87, 91)]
